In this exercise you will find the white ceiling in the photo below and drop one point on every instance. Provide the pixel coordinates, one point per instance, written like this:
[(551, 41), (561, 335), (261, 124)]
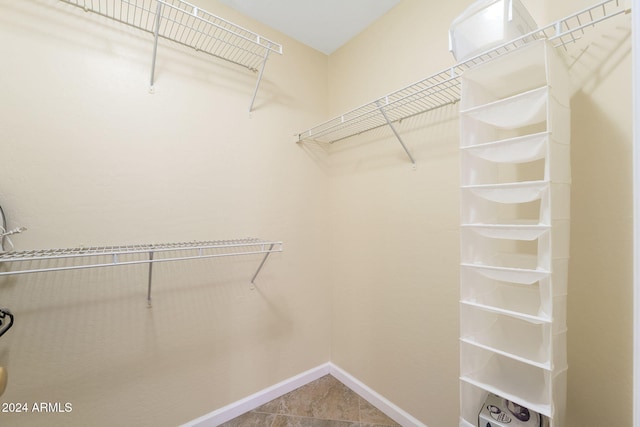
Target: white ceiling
[(325, 25)]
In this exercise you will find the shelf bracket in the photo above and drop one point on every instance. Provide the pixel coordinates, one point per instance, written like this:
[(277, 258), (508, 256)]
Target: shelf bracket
[(255, 91), (150, 279), (262, 263), (156, 32), (395, 132)]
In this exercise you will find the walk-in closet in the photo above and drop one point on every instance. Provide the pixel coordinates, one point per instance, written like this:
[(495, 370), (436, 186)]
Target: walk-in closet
[(209, 220)]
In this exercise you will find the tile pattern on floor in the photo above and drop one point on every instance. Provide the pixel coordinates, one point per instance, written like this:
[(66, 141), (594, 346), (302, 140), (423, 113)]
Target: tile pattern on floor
[(325, 402)]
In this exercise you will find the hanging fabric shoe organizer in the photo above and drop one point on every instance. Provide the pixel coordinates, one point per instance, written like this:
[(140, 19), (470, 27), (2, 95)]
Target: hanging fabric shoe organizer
[(515, 183)]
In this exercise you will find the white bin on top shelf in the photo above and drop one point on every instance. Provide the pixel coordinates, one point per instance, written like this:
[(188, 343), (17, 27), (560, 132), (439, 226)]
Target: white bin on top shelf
[(486, 24)]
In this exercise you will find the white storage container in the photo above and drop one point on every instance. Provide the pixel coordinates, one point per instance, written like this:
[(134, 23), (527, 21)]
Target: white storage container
[(486, 24)]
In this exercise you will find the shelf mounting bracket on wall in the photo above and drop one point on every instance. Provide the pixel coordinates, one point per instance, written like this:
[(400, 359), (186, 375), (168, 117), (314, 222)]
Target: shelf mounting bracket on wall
[(266, 255), (156, 31), (255, 91), (150, 279), (395, 132)]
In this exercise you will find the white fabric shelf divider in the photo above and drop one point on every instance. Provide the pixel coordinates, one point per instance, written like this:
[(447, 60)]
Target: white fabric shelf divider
[(521, 149), (515, 314), (531, 342), (519, 192), (443, 88), (516, 249), (190, 26), (523, 276), (509, 231), (524, 109), (508, 355), (521, 115), (501, 203), (539, 299), (534, 157)]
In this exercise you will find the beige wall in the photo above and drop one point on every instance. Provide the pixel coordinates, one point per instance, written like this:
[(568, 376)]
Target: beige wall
[(89, 157), (395, 234), (395, 262), (600, 304), (369, 275)]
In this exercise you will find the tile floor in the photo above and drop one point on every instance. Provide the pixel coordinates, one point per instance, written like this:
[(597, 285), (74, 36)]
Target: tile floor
[(325, 402)]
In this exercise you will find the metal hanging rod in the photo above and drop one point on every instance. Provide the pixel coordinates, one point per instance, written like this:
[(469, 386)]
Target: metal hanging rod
[(188, 25), (443, 88)]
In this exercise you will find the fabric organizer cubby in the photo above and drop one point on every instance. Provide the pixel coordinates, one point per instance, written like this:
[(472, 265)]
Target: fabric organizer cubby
[(515, 228), (483, 371)]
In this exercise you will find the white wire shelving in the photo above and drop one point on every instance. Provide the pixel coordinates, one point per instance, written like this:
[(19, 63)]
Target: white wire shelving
[(48, 260), (443, 88), (188, 25)]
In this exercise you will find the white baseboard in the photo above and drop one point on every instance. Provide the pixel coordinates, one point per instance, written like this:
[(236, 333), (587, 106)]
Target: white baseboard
[(235, 409), (249, 403), (391, 410)]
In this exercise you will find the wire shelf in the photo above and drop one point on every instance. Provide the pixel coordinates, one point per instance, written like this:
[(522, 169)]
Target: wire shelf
[(187, 25), (35, 261), (443, 88)]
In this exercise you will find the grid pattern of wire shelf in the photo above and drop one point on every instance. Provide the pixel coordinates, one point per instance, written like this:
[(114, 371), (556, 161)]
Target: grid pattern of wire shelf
[(443, 88), (45, 260), (190, 26), (186, 24)]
